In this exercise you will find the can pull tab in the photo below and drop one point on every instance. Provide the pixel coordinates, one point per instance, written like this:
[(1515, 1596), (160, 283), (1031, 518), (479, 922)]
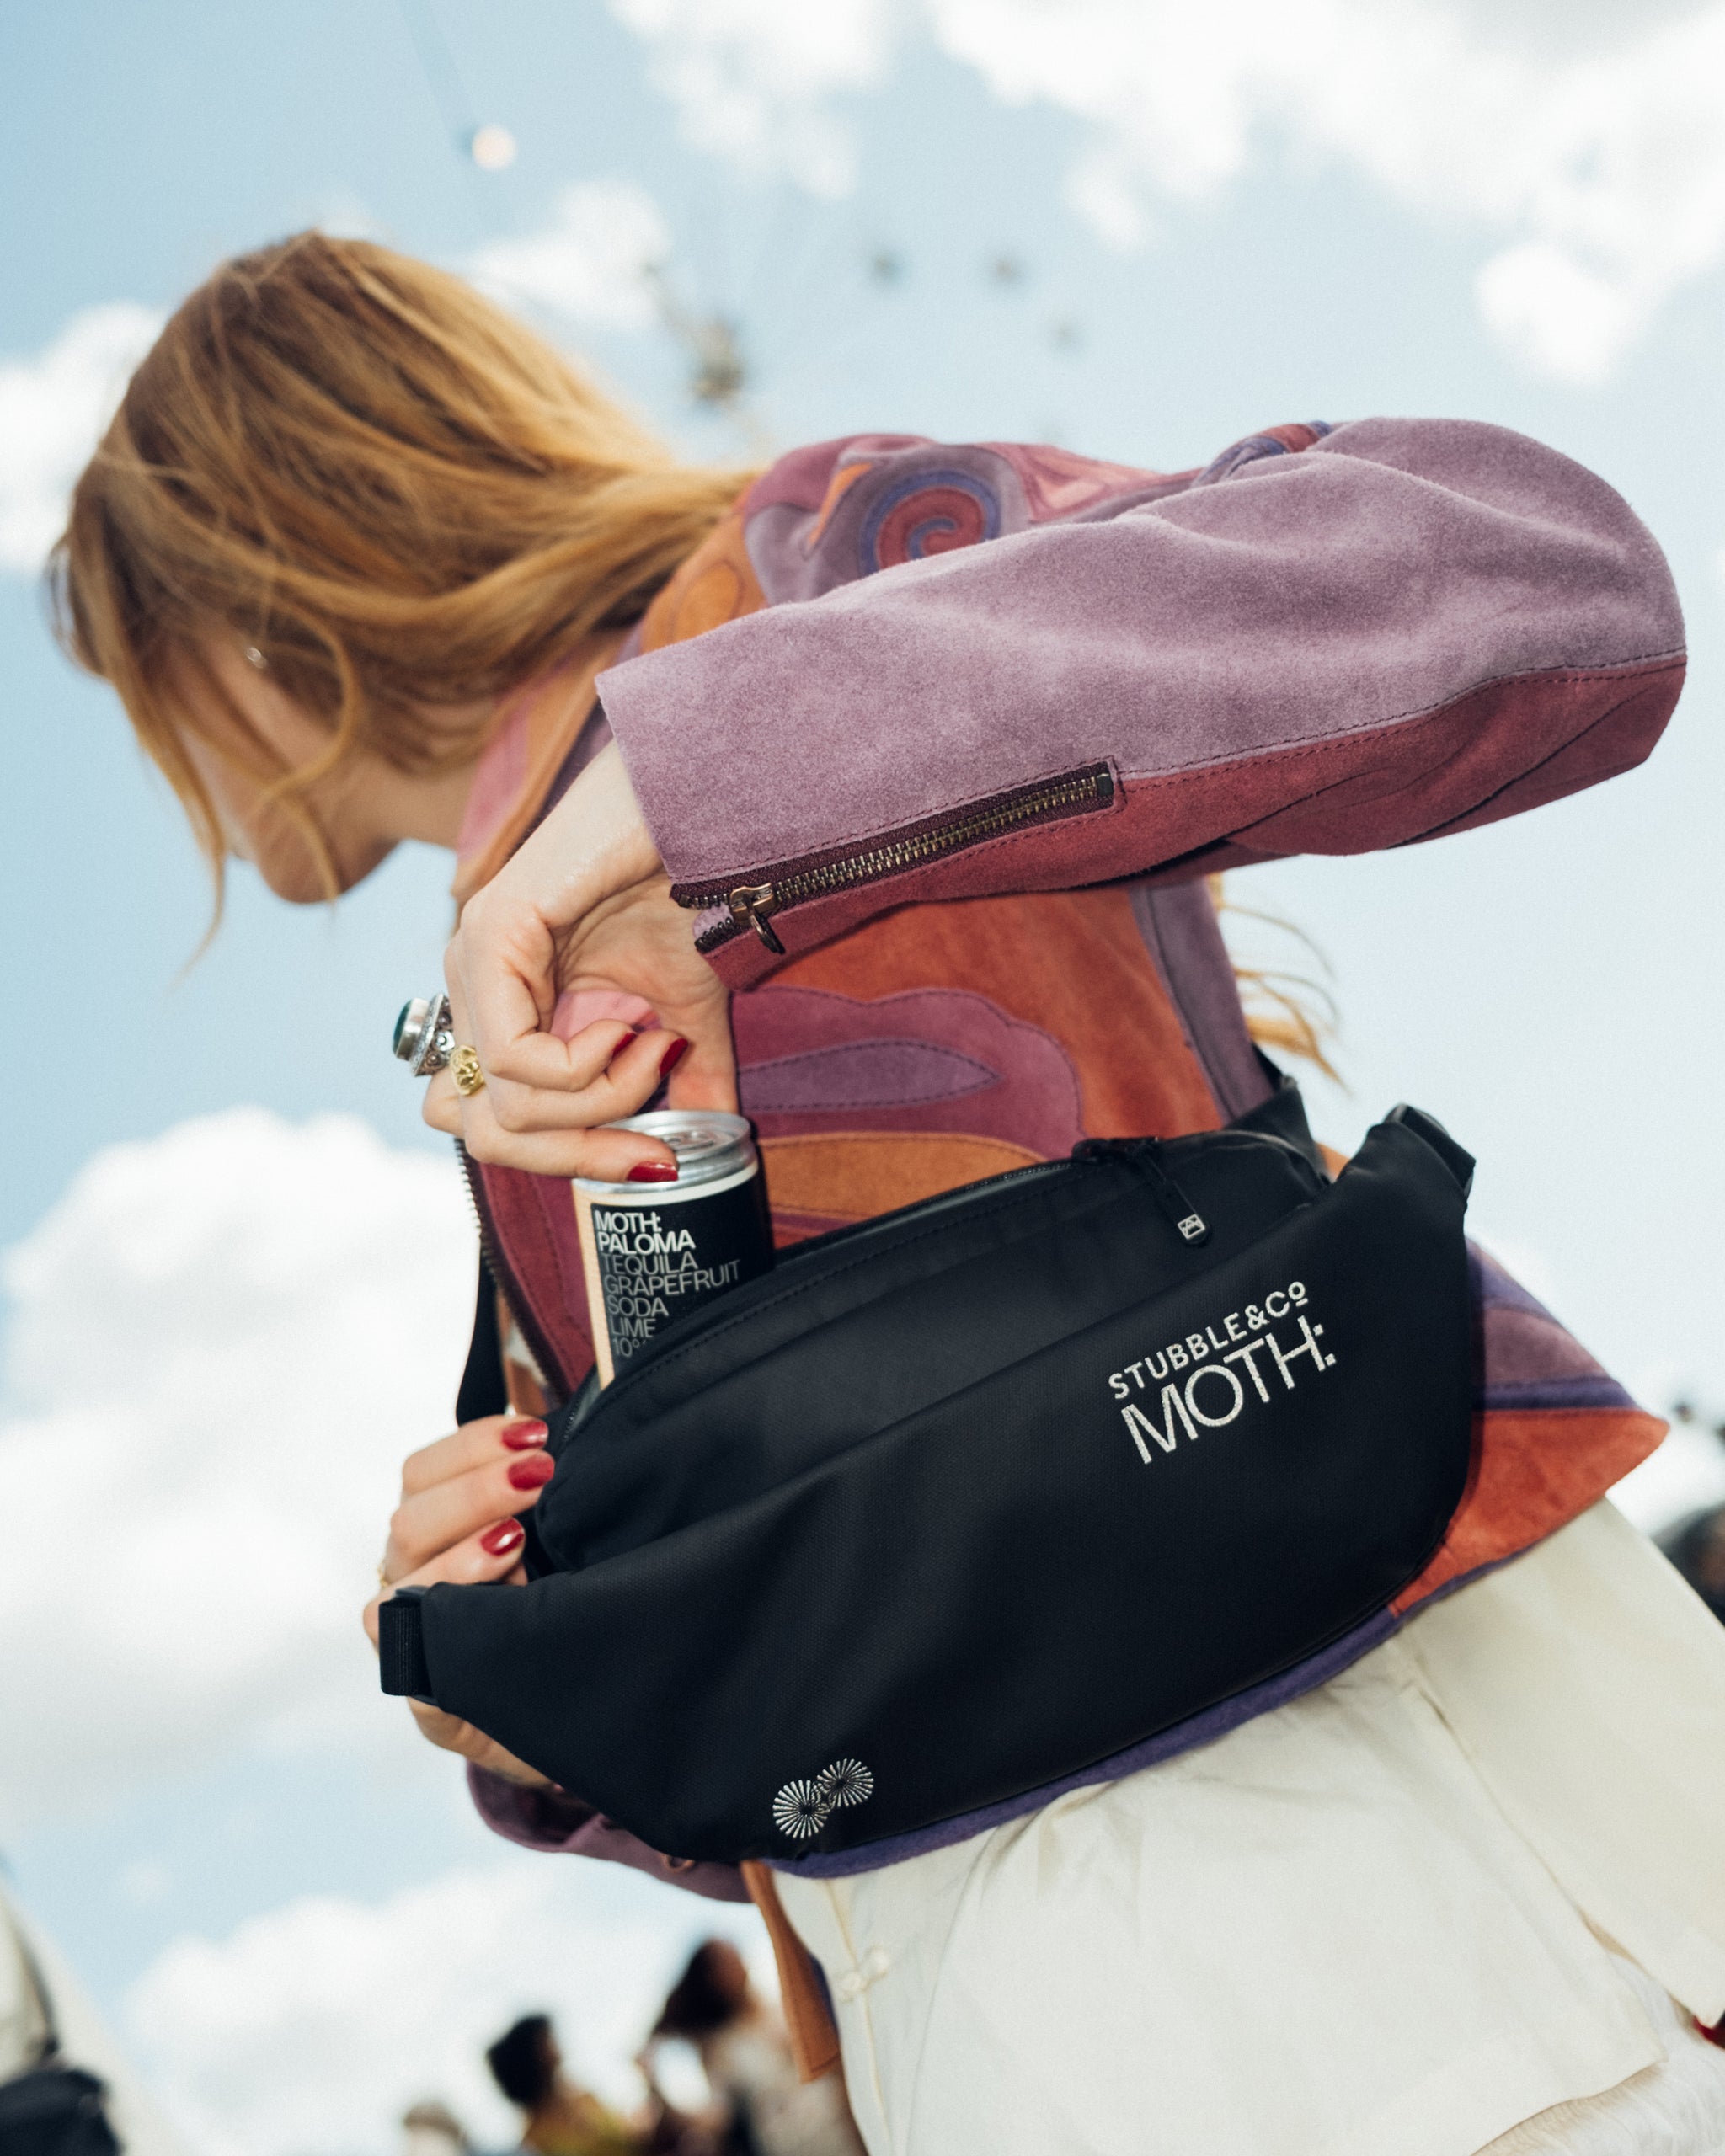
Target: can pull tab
[(1143, 1154)]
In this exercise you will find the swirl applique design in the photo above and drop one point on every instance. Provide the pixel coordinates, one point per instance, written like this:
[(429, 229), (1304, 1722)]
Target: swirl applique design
[(926, 513)]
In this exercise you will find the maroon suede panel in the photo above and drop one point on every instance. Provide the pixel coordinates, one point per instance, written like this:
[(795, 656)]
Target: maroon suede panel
[(533, 1220), (1024, 1088), (1351, 794), (1179, 924), (1392, 569), (549, 1819), (861, 1077)]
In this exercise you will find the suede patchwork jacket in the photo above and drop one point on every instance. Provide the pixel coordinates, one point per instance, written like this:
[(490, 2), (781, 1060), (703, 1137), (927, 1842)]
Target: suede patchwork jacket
[(939, 746)]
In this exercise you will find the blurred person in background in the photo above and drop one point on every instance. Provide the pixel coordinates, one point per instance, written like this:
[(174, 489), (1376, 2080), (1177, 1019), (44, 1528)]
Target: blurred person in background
[(761, 2107), (559, 2117), (66, 2087), (430, 2128), (366, 561), (1695, 1543)]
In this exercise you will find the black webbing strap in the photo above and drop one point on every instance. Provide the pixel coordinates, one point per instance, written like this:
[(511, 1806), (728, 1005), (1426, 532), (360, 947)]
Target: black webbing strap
[(483, 1391), (1455, 1158), (402, 1666)]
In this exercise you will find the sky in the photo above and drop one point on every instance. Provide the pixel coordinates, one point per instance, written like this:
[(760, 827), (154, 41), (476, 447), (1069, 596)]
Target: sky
[(237, 1270)]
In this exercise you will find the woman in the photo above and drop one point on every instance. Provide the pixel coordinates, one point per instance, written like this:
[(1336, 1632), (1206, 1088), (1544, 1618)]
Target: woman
[(557, 2119), (762, 2108), (935, 745)]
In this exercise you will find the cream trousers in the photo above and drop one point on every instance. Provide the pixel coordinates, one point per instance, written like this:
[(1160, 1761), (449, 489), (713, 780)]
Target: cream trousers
[(1379, 1921)]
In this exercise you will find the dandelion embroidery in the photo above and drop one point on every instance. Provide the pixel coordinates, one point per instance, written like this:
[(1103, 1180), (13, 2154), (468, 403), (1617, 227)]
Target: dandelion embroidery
[(800, 1809), (846, 1781)]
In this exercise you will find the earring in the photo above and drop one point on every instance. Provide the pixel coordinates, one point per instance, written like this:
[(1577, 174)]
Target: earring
[(255, 658)]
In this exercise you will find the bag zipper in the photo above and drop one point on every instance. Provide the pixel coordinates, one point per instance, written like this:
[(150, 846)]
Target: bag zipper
[(813, 876), (725, 1310), (1142, 1154)]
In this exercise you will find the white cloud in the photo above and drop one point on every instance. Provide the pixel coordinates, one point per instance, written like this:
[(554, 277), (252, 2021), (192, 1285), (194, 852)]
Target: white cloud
[(1589, 144), (1556, 317), (592, 263), (753, 80), (222, 1344), (313, 2027), (1600, 156), (52, 410)]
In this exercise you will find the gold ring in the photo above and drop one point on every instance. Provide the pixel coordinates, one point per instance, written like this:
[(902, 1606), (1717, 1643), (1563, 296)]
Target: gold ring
[(465, 1068), (383, 1578)]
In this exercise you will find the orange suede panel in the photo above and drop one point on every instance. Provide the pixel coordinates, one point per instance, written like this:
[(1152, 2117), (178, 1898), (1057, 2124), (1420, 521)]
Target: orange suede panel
[(716, 584), (854, 1175), (814, 2041), (1535, 1470), (1071, 962), (838, 487)]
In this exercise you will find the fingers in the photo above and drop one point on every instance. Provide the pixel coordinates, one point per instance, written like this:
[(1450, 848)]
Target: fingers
[(583, 904), (492, 1469), (469, 1502), (452, 1735), (478, 1444), (431, 1522), (705, 1076), (481, 1560), (613, 1072), (593, 845)]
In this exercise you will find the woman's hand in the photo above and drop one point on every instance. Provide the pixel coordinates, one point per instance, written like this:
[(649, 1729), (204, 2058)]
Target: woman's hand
[(586, 904), (456, 1522)]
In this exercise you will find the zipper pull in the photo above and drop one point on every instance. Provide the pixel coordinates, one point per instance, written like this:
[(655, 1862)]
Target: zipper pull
[(750, 904), (1141, 1153)]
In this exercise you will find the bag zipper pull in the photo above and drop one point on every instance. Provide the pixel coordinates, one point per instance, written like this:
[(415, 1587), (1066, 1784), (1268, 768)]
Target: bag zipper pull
[(750, 904), (1141, 1153)]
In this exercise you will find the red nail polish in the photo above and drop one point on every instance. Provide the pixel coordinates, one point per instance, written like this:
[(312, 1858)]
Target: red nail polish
[(672, 1057), (653, 1172), (529, 1473), (521, 1437), (506, 1535)]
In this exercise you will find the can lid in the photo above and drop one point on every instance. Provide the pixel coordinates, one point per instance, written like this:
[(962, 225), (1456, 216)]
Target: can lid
[(709, 1144)]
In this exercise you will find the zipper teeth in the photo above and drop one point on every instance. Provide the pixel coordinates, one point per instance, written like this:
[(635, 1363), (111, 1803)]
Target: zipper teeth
[(898, 854), (906, 853), (503, 1280)]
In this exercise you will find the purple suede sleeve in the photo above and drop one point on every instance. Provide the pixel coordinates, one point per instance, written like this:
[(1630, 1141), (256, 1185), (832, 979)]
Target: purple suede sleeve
[(547, 1819), (1410, 627)]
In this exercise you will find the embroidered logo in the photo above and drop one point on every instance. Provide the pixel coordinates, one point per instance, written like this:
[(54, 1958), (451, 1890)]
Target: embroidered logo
[(802, 1808), (1207, 1357)]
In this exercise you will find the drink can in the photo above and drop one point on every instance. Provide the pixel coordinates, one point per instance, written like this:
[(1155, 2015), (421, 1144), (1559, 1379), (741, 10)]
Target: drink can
[(652, 1253)]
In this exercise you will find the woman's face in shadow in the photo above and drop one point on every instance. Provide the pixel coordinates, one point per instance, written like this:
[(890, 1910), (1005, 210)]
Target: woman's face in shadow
[(351, 807)]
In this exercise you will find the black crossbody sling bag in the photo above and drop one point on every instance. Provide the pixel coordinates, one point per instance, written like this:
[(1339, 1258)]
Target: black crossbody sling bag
[(961, 1500)]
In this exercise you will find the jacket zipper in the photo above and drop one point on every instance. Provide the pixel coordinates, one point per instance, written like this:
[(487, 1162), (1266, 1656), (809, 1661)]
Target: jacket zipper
[(814, 876), (505, 1281)]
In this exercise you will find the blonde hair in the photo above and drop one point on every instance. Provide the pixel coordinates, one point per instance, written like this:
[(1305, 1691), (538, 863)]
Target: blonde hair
[(391, 491), (1290, 1013), (397, 495)]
